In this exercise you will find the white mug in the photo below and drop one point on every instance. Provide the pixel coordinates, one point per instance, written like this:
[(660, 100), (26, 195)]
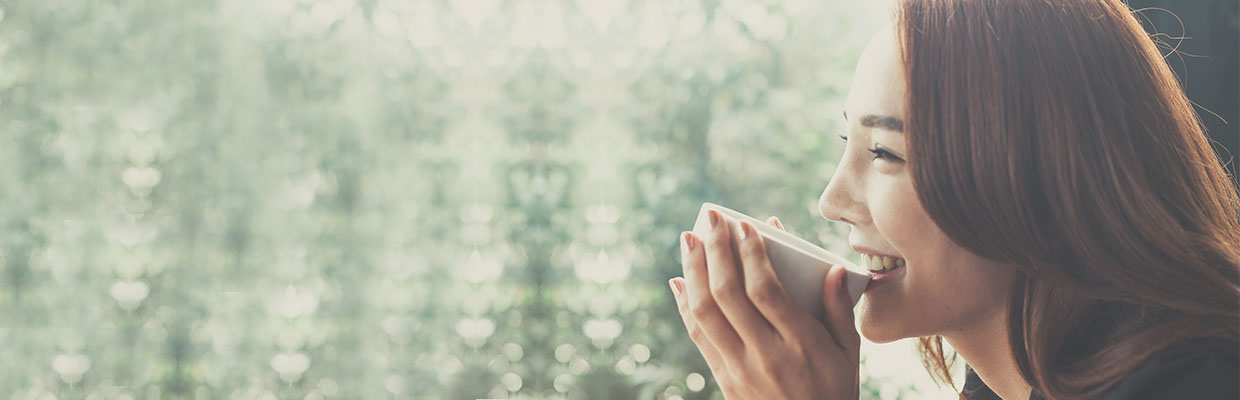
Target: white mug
[(799, 265)]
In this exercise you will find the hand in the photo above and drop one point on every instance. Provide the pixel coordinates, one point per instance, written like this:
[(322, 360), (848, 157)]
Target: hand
[(757, 341)]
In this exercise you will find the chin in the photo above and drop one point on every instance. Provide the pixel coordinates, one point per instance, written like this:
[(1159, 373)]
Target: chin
[(880, 336), (879, 330)]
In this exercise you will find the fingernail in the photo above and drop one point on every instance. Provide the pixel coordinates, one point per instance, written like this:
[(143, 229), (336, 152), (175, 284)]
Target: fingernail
[(746, 230), (686, 242), (714, 218), (672, 284)]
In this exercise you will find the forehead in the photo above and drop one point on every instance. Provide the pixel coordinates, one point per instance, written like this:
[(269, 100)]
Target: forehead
[(878, 85)]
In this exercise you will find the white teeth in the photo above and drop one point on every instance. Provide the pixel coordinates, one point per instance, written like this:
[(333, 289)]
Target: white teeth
[(881, 263)]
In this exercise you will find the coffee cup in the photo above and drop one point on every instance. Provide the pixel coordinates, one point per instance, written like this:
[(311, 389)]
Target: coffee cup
[(799, 265)]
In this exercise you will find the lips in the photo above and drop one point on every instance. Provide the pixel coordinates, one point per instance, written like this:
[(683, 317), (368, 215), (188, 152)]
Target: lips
[(878, 279)]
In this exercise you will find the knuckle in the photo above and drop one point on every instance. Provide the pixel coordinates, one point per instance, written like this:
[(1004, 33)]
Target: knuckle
[(702, 307), (796, 348), (750, 249), (698, 335), (724, 294), (683, 305), (769, 367), (766, 368), (763, 290)]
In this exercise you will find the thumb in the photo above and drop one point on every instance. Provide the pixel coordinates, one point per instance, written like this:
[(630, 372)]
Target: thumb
[(838, 306)]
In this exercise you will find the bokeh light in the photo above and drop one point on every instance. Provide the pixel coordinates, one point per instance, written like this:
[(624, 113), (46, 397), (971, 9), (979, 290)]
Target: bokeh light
[(367, 199)]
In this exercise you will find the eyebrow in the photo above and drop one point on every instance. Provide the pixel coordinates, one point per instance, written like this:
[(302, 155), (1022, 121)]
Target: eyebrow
[(881, 121)]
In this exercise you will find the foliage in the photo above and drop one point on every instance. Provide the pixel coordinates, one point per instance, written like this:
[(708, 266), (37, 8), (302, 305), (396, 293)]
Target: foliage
[(375, 198)]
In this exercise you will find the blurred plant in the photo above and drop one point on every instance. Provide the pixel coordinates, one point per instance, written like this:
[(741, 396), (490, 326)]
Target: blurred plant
[(376, 198)]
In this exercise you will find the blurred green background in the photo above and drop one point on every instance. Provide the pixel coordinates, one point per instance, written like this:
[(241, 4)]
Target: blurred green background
[(368, 199)]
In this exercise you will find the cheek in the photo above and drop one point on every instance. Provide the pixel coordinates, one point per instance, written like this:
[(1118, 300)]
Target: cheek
[(894, 313), (961, 286), (899, 216), (946, 289)]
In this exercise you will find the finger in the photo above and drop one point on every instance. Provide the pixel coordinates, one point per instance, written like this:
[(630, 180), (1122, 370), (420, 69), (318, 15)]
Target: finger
[(702, 309), (840, 320), (728, 290), (705, 311), (713, 359), (763, 287), (774, 221)]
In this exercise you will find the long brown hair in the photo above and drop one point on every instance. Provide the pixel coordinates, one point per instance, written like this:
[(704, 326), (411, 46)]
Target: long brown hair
[(1052, 135)]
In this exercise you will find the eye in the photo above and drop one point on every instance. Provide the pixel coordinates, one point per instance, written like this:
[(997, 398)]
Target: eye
[(881, 153)]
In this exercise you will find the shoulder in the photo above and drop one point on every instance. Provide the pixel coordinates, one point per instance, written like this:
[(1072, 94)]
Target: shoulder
[(1193, 369)]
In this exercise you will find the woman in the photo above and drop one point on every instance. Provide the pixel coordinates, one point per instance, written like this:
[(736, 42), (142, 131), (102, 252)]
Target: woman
[(1060, 217)]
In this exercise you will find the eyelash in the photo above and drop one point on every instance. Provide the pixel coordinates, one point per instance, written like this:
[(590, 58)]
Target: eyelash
[(879, 152)]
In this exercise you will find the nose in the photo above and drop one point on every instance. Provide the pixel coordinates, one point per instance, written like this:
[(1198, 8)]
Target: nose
[(841, 200)]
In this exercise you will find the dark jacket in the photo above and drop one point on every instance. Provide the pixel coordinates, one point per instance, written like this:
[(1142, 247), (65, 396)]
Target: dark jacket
[(1199, 369)]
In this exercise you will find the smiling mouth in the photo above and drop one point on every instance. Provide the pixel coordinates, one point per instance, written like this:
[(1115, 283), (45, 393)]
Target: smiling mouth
[(881, 264)]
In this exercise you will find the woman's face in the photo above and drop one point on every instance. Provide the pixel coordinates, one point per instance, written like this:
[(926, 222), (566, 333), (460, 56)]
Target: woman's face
[(942, 288)]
